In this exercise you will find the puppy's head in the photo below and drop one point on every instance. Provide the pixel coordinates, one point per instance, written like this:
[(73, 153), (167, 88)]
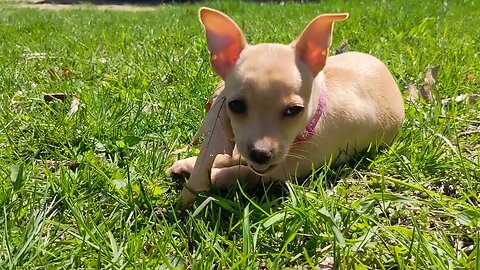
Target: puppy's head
[(268, 87)]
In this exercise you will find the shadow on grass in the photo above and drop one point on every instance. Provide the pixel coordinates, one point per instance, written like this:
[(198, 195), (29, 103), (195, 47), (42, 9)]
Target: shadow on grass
[(271, 195)]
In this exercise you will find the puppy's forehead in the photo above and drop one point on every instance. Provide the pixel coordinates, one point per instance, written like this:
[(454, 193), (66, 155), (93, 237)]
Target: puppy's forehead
[(269, 65)]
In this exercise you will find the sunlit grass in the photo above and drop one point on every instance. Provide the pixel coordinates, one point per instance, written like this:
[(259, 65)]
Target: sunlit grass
[(88, 189)]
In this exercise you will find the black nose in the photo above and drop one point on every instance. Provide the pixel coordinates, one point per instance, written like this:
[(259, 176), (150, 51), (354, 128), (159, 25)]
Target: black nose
[(260, 155)]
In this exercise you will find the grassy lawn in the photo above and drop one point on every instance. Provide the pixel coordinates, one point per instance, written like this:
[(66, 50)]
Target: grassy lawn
[(85, 186)]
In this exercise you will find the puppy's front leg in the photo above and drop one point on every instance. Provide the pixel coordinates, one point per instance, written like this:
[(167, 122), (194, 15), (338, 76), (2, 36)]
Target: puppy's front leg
[(224, 174), (225, 160), (182, 169), (223, 178)]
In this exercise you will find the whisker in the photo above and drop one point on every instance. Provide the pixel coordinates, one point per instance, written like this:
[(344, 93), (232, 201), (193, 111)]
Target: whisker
[(305, 142), (297, 156), (302, 150)]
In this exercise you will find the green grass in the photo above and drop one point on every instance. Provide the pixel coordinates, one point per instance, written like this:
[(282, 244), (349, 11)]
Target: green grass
[(142, 79)]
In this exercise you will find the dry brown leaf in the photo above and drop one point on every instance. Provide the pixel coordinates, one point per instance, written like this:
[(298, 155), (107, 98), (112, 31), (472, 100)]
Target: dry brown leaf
[(470, 99), (66, 72), (343, 47), (429, 82), (412, 92), (473, 99), (49, 97), (470, 77), (217, 91), (74, 106), (433, 72), (54, 165), (327, 263), (468, 249), (468, 132), (149, 108), (57, 75), (53, 74), (218, 139), (263, 266)]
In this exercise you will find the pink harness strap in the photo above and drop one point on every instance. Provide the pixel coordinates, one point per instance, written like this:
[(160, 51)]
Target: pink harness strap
[(309, 130)]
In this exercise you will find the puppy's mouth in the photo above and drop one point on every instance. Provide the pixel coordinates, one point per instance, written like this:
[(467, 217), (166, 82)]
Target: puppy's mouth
[(262, 169)]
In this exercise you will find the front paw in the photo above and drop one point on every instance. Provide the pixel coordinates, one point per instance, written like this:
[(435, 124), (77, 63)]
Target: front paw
[(181, 169)]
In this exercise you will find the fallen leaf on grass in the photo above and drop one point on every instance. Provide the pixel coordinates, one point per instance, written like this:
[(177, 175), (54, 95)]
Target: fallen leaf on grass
[(412, 92), (54, 165), (470, 77), (66, 72), (57, 75), (263, 266), (468, 132), (429, 82), (216, 128), (343, 47), (74, 106), (426, 89), (49, 97), (327, 263), (53, 74), (469, 99), (149, 108), (218, 90)]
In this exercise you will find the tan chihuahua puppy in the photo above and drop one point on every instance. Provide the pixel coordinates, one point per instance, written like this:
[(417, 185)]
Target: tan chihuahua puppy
[(283, 110)]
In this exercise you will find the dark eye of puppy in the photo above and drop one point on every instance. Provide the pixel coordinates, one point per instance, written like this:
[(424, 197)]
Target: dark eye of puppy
[(293, 111), (237, 106)]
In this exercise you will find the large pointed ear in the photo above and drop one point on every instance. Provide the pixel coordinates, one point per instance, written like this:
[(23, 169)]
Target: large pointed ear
[(224, 39), (312, 45)]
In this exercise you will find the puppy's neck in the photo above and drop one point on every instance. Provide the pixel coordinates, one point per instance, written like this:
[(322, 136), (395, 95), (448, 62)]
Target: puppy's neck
[(319, 85), (317, 105)]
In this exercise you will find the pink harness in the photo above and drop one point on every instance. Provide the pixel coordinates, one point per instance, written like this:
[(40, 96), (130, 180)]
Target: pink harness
[(309, 130)]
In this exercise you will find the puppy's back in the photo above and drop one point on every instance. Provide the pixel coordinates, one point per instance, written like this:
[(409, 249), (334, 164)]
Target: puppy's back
[(362, 87)]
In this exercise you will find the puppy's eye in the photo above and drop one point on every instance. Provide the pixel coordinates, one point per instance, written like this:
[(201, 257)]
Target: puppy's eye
[(293, 111), (237, 106)]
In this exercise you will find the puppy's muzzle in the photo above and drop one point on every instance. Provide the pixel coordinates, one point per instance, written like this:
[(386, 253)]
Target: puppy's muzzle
[(260, 155)]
